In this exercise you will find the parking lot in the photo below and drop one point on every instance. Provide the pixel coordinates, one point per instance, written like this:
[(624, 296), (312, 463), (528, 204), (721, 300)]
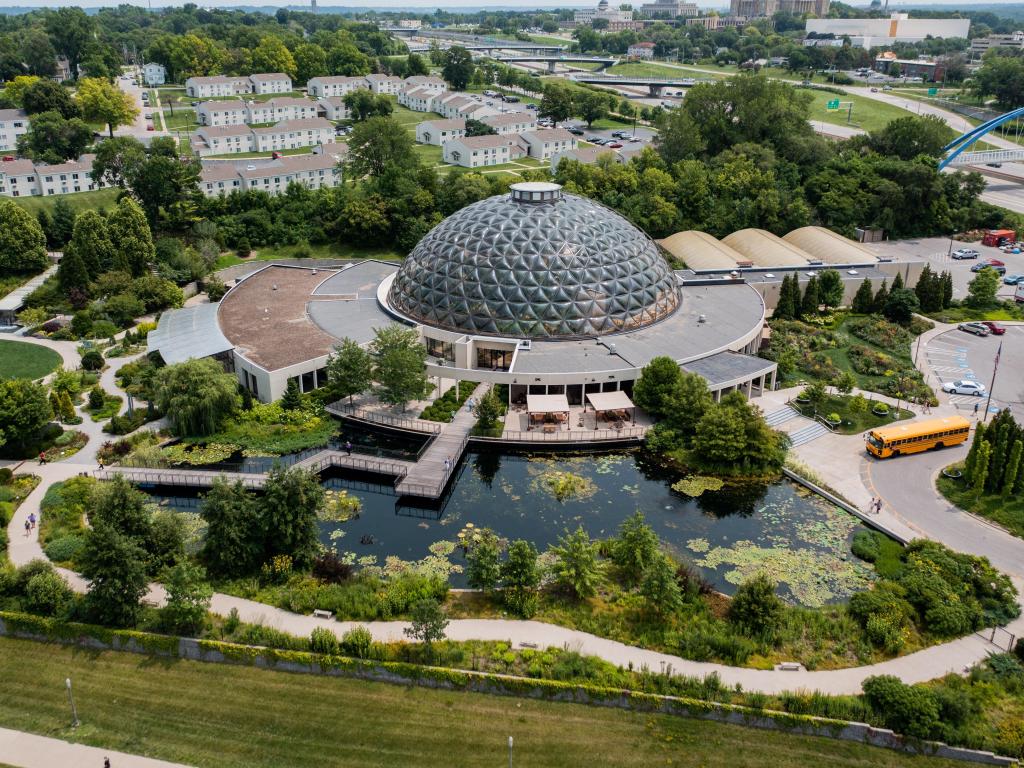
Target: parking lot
[(936, 251), (956, 355)]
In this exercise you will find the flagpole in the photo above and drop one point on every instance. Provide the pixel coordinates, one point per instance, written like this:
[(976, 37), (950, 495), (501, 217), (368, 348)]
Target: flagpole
[(992, 386)]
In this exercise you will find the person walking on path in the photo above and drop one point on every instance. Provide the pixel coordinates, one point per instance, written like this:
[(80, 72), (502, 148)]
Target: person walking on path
[(348, 448), (32, 519), (28, 527), (976, 410), (878, 506), (871, 506)]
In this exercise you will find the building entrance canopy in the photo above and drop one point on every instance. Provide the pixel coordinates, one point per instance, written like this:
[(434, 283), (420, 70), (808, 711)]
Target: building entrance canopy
[(547, 404)]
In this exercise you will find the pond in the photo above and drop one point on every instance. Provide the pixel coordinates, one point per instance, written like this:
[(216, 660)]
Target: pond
[(798, 538)]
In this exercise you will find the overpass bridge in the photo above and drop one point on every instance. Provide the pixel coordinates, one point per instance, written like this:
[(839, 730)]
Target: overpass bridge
[(955, 153), (654, 84), (986, 157), (554, 61)]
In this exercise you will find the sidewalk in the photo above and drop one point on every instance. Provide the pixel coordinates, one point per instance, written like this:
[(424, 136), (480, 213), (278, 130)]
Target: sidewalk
[(26, 750)]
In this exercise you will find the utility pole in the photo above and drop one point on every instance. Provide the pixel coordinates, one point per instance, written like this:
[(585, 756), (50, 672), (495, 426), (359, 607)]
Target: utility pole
[(71, 699), (992, 385)]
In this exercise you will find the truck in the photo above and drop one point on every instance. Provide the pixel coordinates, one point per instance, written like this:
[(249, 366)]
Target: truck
[(1018, 293), (998, 237)]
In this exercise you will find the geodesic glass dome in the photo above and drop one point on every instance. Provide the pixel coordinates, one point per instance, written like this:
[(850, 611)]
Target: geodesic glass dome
[(535, 263)]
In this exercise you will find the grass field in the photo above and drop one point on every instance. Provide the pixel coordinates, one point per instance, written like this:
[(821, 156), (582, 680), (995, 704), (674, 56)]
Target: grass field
[(331, 251), (79, 201), (19, 360), (182, 118), (869, 114), (1007, 511), (645, 69), (222, 717)]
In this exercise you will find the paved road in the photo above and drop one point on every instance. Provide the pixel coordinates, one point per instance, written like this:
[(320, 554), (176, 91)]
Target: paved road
[(26, 750), (138, 129)]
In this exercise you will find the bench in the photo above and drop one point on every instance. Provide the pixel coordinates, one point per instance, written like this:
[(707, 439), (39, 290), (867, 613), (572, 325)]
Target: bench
[(789, 666), (527, 645), (319, 614)]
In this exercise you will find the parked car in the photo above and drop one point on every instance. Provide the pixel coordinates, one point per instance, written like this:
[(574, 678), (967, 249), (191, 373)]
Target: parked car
[(978, 329), (1013, 280), (965, 253), (508, 99), (994, 328), (874, 90), (886, 87), (1010, 248), (531, 106), (994, 263), (597, 140), (613, 145), (575, 131), (964, 387)]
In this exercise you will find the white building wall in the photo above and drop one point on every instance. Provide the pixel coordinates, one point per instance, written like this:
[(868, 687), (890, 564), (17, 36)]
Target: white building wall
[(13, 123)]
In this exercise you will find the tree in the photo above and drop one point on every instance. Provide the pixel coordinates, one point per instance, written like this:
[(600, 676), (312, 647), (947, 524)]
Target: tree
[(289, 508), (520, 577), (971, 462), (635, 548), (24, 410), (482, 566), (458, 67), (846, 384), (197, 396), (310, 62), (557, 101), (70, 29), (785, 309), (947, 289), (592, 106), (188, 598), (47, 594), (37, 53), (489, 409), (66, 408), (811, 300), (63, 222), (929, 290), (292, 399), (477, 128), (415, 65), (233, 545), (102, 102), (830, 288), (427, 624), (117, 160), (720, 437), (168, 184), (115, 566), (399, 365), (49, 96), (906, 709), (377, 144), (349, 370), (22, 242), (1012, 468), (271, 55), (881, 296), (576, 567), (981, 468), (863, 300), (119, 505), (755, 608), (660, 588), (90, 241), (679, 137), (363, 104), (908, 137), (131, 237), (1003, 78), (52, 139), (900, 305), (981, 291), (656, 389)]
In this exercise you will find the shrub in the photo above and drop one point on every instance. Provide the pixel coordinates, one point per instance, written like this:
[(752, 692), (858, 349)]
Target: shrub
[(92, 360), (521, 602), (865, 546), (64, 548), (323, 640), (755, 608), (357, 642), (47, 594), (904, 708), (6, 476), (330, 568)]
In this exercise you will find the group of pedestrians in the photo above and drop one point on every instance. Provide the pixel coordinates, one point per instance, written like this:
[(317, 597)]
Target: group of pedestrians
[(875, 507), (30, 523)]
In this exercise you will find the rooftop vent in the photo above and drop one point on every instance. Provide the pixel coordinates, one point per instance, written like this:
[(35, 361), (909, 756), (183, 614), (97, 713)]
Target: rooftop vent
[(273, 287), (702, 318), (536, 192)]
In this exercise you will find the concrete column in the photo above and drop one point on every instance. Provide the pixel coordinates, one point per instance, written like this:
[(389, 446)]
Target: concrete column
[(774, 371), (750, 387)]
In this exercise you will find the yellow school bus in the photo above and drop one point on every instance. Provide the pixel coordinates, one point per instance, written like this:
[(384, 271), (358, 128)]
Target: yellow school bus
[(917, 436)]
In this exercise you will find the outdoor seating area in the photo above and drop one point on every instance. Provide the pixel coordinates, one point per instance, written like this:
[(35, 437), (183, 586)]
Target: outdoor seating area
[(614, 409), (549, 413)]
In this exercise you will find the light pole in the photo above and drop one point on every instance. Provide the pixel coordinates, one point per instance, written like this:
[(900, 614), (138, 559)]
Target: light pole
[(71, 700), (509, 752)]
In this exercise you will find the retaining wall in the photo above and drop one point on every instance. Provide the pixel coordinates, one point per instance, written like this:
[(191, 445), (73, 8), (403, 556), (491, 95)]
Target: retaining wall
[(48, 630)]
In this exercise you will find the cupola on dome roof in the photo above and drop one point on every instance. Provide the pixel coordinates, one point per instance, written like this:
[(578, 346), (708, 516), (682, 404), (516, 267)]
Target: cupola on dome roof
[(536, 263)]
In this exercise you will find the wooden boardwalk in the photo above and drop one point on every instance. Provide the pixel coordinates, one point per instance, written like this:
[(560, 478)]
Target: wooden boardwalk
[(343, 410), (429, 476)]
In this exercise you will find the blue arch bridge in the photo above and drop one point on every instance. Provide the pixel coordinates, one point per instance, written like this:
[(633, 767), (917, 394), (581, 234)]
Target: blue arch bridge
[(957, 152)]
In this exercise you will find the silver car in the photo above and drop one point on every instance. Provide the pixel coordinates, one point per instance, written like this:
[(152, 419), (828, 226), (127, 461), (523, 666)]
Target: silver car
[(978, 329), (964, 387)]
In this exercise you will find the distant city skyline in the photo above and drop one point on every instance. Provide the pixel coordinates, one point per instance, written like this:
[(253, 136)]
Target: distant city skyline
[(386, 5)]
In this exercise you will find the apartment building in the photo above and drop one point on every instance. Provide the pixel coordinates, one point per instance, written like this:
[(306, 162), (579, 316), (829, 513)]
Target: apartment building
[(271, 82), (281, 108), (223, 140), (437, 132), (291, 134), (387, 84), (23, 178), (542, 144), (18, 178), (333, 108), (511, 123), (217, 86), (219, 178), (430, 82), (13, 123), (417, 99), (312, 171), (230, 112), (480, 151), (326, 87)]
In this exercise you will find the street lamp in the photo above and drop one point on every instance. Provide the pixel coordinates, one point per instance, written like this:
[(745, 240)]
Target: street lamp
[(71, 700), (509, 752)]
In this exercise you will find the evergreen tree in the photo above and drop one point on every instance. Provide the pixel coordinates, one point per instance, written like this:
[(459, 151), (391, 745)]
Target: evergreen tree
[(784, 310), (864, 299), (289, 509), (981, 468), (947, 289), (90, 239), (54, 399), (63, 223), (72, 273), (881, 297), (131, 237), (1012, 467), (292, 399), (897, 282), (660, 588), (1000, 453), (928, 290), (46, 224), (482, 565), (972, 454), (67, 408), (809, 306), (635, 548), (795, 297), (576, 567)]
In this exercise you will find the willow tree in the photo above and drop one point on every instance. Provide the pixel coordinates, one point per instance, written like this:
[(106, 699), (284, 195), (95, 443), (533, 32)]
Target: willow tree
[(197, 396)]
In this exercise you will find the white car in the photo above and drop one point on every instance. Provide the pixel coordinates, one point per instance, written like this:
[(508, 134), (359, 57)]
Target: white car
[(964, 387)]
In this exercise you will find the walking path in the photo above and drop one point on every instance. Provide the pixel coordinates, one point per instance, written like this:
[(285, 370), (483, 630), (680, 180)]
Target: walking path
[(26, 750), (912, 507)]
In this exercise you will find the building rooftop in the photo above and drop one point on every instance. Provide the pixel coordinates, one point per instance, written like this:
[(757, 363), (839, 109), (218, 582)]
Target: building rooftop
[(701, 251), (302, 124), (17, 168), (224, 104), (270, 76), (482, 142), (83, 163), (509, 118), (190, 332), (218, 172), (279, 102), (215, 131), (12, 114), (548, 134), (455, 123)]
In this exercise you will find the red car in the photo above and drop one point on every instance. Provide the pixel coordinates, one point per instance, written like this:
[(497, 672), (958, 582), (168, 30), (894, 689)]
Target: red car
[(614, 145), (994, 328), (995, 263)]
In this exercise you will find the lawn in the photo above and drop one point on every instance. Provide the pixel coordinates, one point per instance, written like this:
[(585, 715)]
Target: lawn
[(19, 360), (318, 251), (79, 201), (853, 422), (869, 114), (223, 716), (1007, 511), (11, 280), (182, 118), (645, 69)]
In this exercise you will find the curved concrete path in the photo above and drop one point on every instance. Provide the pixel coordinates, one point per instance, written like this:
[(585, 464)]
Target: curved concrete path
[(910, 502)]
